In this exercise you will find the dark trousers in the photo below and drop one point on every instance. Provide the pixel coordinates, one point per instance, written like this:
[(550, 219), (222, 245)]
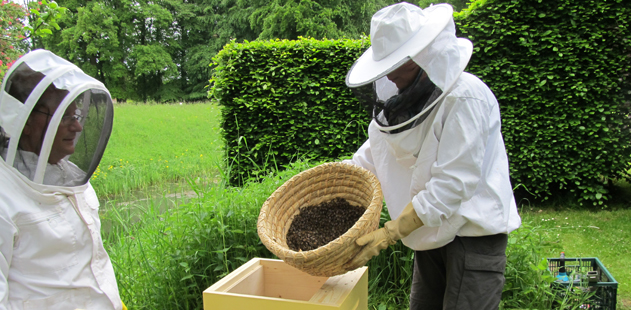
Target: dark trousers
[(467, 273)]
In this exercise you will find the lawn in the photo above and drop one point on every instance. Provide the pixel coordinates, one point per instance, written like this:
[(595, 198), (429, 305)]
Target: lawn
[(156, 144), (163, 150), (605, 234)]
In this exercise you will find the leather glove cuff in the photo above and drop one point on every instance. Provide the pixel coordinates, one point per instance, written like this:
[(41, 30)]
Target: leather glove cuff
[(392, 232)]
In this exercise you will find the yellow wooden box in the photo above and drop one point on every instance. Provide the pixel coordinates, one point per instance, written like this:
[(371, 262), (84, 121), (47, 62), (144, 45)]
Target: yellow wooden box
[(270, 284)]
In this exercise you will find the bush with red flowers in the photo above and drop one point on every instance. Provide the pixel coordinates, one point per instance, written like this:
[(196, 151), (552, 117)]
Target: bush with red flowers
[(19, 26), (12, 33)]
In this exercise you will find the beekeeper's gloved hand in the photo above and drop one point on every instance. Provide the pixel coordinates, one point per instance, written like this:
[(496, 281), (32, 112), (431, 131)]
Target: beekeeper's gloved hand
[(380, 239)]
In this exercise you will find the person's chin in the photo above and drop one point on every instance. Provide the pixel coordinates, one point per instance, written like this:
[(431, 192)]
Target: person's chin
[(68, 150)]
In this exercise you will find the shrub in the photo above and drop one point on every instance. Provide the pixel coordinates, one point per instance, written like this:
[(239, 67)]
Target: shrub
[(286, 99), (560, 72)]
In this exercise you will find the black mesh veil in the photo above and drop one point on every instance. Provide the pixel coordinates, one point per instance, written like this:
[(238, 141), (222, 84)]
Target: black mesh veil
[(90, 145), (390, 106)]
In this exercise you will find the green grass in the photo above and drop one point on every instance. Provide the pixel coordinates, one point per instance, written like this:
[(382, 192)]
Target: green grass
[(164, 259), (154, 144), (185, 228), (605, 234)]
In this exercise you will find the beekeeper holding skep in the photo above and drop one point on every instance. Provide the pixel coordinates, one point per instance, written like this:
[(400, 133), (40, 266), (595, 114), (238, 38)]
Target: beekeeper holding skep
[(436, 146)]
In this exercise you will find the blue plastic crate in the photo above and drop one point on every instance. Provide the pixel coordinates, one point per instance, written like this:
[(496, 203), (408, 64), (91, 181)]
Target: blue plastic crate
[(591, 272)]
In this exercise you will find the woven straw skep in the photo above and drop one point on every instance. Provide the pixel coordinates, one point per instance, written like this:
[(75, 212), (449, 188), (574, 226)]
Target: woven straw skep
[(311, 187)]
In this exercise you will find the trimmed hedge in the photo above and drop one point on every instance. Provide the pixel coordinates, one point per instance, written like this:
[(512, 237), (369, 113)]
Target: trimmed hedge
[(559, 70), (284, 100)]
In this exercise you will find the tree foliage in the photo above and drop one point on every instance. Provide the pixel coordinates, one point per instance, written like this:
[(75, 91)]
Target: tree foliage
[(125, 44), (333, 19), (162, 50)]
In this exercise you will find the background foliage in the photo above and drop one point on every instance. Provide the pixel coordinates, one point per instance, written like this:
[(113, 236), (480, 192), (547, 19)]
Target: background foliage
[(12, 33), (560, 72), (283, 100), (161, 50)]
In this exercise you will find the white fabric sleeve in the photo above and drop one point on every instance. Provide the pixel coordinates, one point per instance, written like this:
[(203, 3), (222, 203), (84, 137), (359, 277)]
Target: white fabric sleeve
[(7, 235), (363, 158), (458, 166)]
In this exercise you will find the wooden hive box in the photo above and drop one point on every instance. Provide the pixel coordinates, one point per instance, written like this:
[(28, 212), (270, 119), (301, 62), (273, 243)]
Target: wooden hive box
[(270, 284)]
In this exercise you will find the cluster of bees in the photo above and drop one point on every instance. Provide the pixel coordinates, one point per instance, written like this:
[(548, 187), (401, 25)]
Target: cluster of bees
[(317, 225)]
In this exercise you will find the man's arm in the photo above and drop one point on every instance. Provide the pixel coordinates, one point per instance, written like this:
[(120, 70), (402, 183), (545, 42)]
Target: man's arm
[(363, 158)]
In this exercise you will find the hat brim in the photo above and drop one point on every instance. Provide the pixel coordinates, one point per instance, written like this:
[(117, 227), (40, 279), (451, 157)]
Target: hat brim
[(366, 70)]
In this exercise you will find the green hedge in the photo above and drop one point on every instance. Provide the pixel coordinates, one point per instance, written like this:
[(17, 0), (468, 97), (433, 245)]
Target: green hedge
[(558, 68), (287, 99)]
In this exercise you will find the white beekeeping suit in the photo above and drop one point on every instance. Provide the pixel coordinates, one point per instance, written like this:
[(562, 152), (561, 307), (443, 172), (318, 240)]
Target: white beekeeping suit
[(446, 156), (55, 122)]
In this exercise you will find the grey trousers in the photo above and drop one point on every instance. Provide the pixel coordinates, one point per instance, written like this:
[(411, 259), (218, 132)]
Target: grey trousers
[(467, 273)]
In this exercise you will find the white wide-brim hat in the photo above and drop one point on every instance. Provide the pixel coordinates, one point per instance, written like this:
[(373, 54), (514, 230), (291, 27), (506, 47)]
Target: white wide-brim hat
[(398, 33)]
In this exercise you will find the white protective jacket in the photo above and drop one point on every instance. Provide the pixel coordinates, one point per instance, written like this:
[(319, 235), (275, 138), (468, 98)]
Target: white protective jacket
[(52, 255), (453, 166), (51, 251)]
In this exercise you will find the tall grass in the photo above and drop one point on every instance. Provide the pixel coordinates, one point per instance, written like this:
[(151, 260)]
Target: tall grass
[(167, 258)]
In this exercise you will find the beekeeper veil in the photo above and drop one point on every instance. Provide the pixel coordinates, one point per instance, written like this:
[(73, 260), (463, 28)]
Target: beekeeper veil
[(402, 36), (55, 120)]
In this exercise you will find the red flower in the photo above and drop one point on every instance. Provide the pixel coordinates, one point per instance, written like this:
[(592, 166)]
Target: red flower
[(39, 2)]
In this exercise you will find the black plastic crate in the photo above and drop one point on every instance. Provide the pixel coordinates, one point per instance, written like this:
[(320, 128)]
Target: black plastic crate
[(591, 272)]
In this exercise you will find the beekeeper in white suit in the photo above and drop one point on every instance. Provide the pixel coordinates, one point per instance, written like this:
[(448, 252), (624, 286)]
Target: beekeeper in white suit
[(55, 122), (436, 147)]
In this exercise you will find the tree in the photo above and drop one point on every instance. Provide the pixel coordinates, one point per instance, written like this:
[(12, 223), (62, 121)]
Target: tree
[(205, 26), (125, 44), (162, 50), (332, 19)]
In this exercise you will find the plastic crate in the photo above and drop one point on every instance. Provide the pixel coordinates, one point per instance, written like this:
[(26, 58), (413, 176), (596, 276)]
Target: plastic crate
[(591, 272)]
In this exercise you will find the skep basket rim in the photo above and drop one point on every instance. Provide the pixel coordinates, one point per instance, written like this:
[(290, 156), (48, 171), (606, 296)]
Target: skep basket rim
[(283, 252)]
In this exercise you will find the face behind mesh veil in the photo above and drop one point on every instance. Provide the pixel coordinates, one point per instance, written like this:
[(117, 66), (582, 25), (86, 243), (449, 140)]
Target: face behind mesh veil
[(390, 106), (55, 121)]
